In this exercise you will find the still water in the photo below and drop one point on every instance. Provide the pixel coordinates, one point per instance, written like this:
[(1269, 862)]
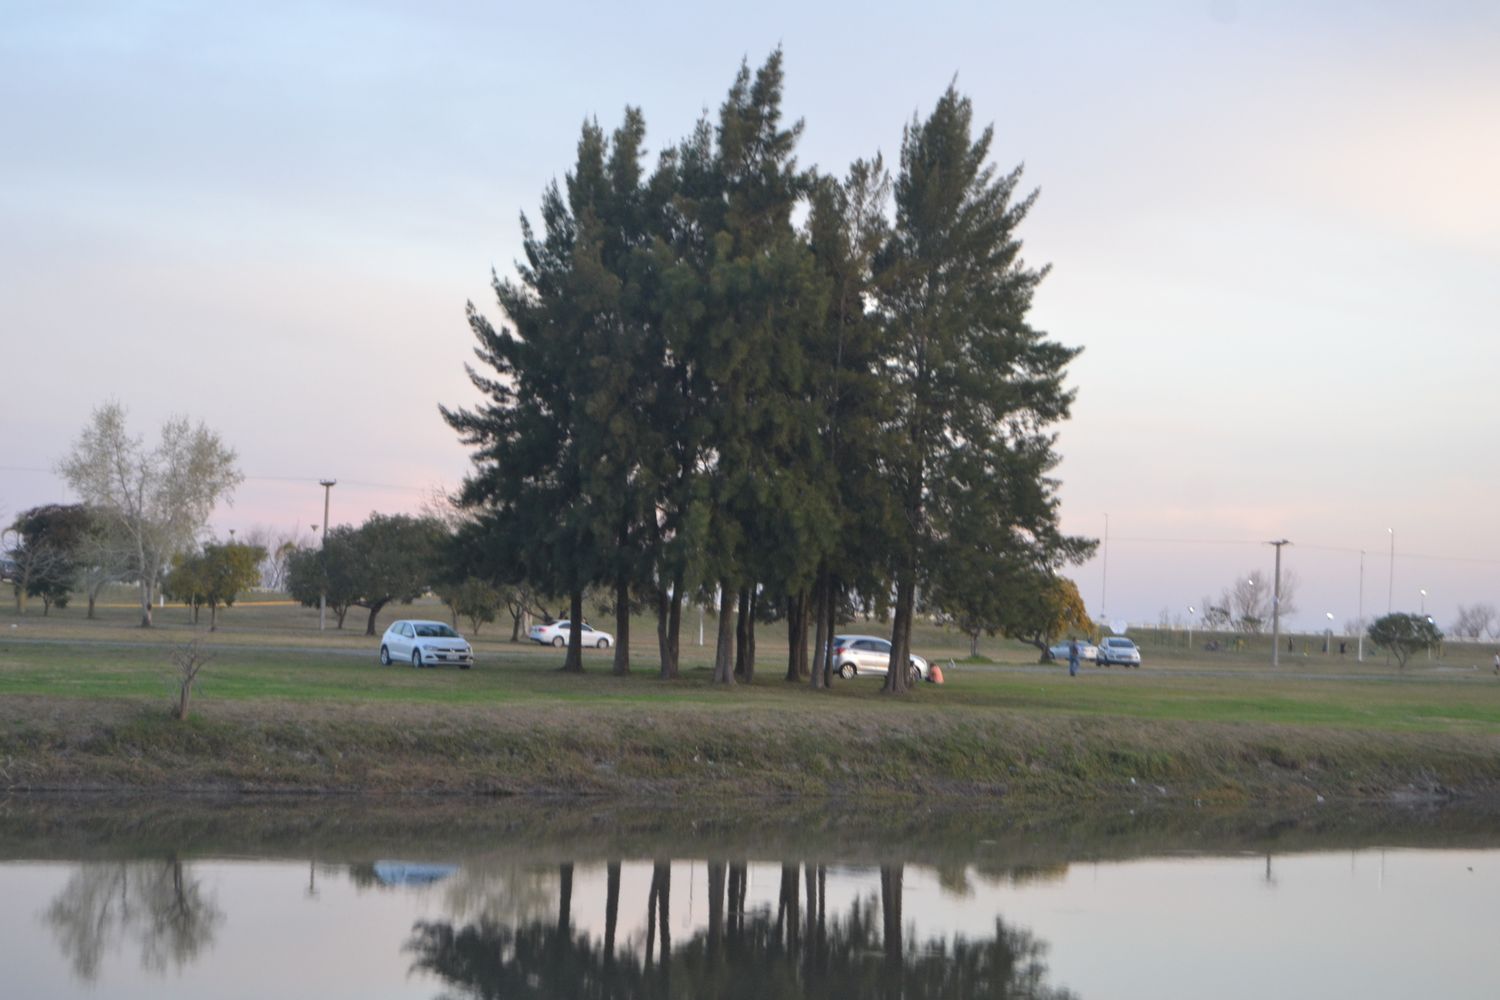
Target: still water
[(99, 903)]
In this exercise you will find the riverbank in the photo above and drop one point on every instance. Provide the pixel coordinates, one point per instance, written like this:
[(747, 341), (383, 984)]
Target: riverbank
[(739, 748)]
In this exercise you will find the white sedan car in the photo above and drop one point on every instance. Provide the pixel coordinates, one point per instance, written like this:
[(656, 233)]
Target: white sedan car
[(1086, 651), (556, 634), (869, 654), (424, 644)]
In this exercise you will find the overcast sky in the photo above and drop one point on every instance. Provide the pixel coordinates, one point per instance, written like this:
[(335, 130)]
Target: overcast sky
[(1274, 230)]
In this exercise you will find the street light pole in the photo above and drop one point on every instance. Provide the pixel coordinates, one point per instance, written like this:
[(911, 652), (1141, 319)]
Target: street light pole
[(1191, 612), (1276, 606), (327, 485), (1424, 601), (1390, 579)]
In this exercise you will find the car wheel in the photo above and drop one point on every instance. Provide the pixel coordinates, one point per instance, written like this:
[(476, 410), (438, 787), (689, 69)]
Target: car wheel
[(603, 644), (464, 666), (385, 657), (846, 670), (914, 674), (416, 658), (559, 641)]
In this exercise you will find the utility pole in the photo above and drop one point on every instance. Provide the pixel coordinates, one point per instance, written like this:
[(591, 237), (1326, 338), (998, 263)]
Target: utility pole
[(328, 485), (1276, 606)]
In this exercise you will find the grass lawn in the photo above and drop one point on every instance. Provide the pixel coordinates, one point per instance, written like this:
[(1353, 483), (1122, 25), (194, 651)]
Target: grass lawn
[(283, 705)]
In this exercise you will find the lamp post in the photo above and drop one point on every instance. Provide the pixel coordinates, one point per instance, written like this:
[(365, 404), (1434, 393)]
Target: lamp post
[(1329, 648), (1390, 579), (327, 485), (1191, 612), (1424, 601)]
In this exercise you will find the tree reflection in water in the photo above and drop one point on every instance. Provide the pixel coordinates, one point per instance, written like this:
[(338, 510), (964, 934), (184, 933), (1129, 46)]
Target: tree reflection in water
[(157, 905), (798, 951)]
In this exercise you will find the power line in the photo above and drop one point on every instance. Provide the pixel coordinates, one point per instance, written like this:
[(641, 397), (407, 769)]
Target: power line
[(1344, 549)]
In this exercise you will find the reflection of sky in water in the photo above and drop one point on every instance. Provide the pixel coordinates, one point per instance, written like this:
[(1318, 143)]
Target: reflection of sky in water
[(1367, 924)]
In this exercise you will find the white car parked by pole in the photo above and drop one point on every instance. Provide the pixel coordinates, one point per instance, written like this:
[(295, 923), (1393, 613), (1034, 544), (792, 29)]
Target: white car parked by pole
[(556, 634)]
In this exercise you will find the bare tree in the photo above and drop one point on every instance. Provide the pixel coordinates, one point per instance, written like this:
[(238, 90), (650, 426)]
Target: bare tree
[(189, 659), (163, 497), (1474, 620), (1250, 599)]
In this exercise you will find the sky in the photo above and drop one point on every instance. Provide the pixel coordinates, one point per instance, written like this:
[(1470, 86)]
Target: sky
[(1273, 230)]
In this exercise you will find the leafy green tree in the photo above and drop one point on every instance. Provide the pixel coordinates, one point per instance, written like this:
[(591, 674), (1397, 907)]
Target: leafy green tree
[(528, 488), (753, 296), (187, 581), (45, 550), (397, 560), (214, 577), (471, 598), (975, 385), (331, 571), (845, 229), (1402, 634)]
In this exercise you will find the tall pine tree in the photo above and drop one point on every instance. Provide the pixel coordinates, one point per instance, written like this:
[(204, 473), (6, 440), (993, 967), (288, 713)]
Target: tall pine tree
[(976, 387)]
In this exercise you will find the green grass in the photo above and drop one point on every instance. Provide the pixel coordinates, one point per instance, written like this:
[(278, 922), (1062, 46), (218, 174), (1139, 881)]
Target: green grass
[(282, 706)]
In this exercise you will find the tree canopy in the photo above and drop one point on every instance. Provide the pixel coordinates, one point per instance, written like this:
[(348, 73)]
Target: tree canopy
[(1402, 634), (736, 381)]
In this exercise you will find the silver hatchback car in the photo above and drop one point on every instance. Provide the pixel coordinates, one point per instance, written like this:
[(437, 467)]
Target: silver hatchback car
[(869, 654)]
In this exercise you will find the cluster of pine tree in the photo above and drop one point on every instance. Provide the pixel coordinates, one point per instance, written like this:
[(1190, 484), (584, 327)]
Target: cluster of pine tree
[(736, 380)]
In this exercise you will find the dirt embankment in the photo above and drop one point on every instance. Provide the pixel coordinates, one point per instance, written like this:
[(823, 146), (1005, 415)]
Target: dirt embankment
[(64, 745)]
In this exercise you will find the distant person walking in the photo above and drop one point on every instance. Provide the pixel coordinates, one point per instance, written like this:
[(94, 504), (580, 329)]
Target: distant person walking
[(1073, 657)]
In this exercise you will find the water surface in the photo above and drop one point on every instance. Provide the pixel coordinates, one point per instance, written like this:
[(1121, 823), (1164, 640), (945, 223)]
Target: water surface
[(500, 900)]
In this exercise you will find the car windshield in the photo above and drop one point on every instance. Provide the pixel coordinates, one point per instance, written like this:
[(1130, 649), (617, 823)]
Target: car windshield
[(1122, 643), (435, 630)]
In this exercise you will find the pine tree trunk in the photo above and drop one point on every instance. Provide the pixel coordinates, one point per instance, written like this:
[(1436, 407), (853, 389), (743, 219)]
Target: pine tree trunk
[(674, 627), (92, 598), (973, 644), (804, 604), (741, 634), (751, 612), (663, 610), (896, 670), (724, 651), (573, 662), (213, 617), (820, 631), (791, 638), (622, 627)]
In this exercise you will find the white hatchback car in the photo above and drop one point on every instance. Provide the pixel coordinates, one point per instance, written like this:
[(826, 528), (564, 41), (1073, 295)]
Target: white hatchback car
[(1118, 649), (556, 634), (869, 654), (425, 644)]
